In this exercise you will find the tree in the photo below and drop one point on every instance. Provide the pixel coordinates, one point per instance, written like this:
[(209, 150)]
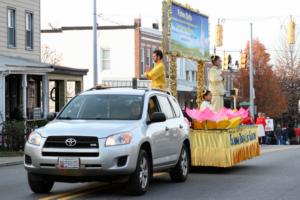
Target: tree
[(50, 56), (287, 69), (268, 95)]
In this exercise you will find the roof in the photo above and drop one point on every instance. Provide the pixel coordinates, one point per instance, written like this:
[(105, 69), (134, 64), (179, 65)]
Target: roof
[(84, 28), (11, 64), (68, 70), (121, 91), (9, 61), (151, 32), (19, 64)]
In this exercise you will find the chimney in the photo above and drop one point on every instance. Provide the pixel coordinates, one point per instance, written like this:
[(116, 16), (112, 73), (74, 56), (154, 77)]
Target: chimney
[(155, 26), (137, 23)]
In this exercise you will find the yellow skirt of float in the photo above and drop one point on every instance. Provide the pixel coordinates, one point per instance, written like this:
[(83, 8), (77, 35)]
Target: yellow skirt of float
[(223, 148), (220, 125)]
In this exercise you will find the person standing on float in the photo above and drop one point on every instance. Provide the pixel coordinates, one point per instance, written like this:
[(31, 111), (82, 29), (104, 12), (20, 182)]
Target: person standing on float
[(158, 73), (216, 85)]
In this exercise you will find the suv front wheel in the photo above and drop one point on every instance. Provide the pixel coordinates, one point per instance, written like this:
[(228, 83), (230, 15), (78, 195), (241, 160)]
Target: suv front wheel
[(181, 170), (139, 180), (39, 184)]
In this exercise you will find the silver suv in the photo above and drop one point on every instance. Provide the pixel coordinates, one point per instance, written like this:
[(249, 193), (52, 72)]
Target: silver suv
[(108, 134)]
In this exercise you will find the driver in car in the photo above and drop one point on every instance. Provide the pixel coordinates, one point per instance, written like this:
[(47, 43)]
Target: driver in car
[(135, 110)]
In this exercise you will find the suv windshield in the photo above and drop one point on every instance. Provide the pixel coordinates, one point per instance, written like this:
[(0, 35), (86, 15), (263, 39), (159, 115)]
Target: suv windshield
[(104, 107)]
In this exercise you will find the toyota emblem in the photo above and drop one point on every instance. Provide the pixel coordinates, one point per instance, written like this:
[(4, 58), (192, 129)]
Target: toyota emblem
[(70, 142)]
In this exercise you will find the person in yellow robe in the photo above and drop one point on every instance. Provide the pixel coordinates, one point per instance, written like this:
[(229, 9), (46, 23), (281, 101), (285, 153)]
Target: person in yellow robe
[(158, 73), (216, 85)]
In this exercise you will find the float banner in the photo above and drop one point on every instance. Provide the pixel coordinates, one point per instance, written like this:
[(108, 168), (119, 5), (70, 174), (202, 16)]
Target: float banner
[(189, 33), (224, 148)]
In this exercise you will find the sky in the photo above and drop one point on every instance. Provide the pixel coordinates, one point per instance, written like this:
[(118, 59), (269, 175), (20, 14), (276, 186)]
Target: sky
[(269, 18)]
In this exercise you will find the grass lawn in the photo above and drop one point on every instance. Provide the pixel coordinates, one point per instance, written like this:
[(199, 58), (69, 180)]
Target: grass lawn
[(7, 153)]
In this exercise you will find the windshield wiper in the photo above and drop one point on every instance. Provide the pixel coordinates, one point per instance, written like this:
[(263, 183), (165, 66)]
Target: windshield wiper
[(67, 118), (96, 118)]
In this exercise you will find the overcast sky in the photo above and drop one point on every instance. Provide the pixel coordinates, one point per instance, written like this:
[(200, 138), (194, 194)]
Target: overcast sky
[(268, 17)]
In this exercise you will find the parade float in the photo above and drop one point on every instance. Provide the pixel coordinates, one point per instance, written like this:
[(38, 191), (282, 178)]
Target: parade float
[(218, 139)]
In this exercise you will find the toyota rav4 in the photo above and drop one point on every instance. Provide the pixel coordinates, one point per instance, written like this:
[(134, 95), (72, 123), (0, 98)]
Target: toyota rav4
[(108, 134)]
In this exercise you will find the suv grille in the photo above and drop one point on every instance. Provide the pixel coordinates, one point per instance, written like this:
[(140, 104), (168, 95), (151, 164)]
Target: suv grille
[(81, 142), (71, 154)]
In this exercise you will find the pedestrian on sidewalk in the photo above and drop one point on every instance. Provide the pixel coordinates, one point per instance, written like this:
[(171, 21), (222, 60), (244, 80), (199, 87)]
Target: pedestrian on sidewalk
[(284, 135), (278, 135), (260, 120), (297, 134), (290, 134), (249, 120)]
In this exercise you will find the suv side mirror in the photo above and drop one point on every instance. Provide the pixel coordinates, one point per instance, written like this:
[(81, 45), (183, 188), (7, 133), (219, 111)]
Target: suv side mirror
[(51, 116), (158, 117)]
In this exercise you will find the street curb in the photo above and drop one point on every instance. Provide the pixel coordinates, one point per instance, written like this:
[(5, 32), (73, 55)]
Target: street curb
[(11, 163)]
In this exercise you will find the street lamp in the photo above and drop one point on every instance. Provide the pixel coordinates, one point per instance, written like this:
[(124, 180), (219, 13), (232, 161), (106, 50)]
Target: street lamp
[(251, 74), (95, 43)]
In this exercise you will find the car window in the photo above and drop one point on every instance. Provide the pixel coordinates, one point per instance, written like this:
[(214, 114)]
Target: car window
[(165, 106), (73, 108), (153, 106), (104, 107), (175, 106)]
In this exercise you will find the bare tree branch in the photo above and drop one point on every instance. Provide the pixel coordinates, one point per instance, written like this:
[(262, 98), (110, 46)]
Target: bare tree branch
[(50, 56)]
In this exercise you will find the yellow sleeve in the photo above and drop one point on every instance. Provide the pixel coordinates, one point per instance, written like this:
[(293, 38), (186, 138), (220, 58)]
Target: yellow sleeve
[(156, 72), (146, 75)]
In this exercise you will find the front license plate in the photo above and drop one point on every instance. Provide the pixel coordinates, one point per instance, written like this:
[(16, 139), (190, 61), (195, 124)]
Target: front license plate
[(68, 163)]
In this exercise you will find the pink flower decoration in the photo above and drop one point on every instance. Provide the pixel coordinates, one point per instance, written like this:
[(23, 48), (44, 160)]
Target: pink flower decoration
[(210, 115)]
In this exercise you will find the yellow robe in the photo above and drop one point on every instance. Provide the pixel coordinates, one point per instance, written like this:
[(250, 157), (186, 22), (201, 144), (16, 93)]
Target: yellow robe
[(216, 87), (158, 76)]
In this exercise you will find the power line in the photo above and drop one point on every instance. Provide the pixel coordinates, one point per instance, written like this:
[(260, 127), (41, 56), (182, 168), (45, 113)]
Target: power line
[(108, 19), (241, 50), (262, 18)]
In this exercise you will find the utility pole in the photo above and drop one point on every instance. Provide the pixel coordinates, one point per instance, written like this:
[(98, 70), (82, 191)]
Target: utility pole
[(251, 74), (95, 43)]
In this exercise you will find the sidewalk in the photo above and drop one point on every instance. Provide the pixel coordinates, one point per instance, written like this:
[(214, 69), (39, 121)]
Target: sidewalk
[(274, 148), (9, 161)]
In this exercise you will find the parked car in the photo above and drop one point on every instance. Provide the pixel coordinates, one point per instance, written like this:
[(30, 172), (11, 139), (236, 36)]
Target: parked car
[(110, 134)]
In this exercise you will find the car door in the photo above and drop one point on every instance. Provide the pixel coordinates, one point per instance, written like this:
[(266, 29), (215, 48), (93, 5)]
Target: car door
[(157, 133), (172, 126), (181, 125)]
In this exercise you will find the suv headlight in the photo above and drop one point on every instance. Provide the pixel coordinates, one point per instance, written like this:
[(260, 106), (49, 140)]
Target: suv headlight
[(35, 138), (118, 139)]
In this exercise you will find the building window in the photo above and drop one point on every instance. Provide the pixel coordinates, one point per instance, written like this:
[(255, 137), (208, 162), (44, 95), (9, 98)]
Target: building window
[(29, 30), (229, 82), (11, 27), (193, 76), (181, 67), (152, 50), (105, 59), (142, 61), (187, 75), (148, 58)]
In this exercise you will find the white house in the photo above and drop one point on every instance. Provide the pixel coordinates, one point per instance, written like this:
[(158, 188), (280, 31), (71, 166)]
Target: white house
[(124, 52), (23, 78), (116, 46)]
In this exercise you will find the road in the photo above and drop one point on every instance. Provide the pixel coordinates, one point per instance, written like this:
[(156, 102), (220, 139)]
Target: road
[(272, 176)]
